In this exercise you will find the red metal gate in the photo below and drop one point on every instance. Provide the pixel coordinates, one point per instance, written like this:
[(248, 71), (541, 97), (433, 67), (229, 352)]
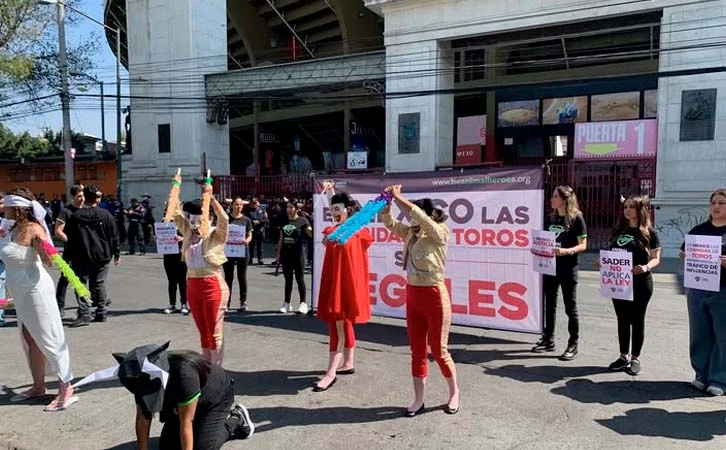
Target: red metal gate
[(599, 186)]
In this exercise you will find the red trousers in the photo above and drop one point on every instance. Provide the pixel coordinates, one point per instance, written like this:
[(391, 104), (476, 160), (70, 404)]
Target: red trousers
[(348, 333), (428, 318), (207, 297)]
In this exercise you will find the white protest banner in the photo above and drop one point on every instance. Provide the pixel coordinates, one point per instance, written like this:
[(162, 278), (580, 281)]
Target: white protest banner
[(166, 242), (616, 275), (702, 265), (235, 247), (543, 252), (489, 269)]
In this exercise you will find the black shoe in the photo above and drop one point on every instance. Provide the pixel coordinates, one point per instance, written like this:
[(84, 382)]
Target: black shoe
[(80, 322), (243, 307), (634, 368), (619, 364), (260, 262), (317, 388), (408, 413), (346, 372), (451, 411), (544, 345), (100, 318), (62, 311), (246, 428), (570, 353)]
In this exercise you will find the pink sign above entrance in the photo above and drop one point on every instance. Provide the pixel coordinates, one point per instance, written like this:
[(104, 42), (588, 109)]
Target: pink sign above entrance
[(617, 140)]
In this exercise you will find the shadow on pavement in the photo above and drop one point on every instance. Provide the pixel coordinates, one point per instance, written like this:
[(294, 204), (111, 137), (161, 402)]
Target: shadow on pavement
[(267, 419), (691, 426), (153, 443), (625, 391), (379, 333), (544, 374), (466, 356), (273, 382)]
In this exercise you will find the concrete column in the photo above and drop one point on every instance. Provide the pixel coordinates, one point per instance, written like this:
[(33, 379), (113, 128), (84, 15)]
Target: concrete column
[(688, 171), (420, 67), (167, 38)]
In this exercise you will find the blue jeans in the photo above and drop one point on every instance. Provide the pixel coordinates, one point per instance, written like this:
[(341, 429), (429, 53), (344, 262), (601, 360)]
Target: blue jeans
[(2, 287), (707, 322)]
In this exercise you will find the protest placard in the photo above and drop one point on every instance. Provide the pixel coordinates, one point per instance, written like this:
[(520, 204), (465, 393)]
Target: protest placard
[(702, 265), (543, 252), (166, 242), (616, 275), (235, 247)]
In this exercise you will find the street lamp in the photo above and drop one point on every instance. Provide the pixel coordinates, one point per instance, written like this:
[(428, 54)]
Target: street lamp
[(103, 108), (65, 97)]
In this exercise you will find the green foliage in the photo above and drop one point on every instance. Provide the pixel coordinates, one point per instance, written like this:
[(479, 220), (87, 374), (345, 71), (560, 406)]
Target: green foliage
[(14, 146)]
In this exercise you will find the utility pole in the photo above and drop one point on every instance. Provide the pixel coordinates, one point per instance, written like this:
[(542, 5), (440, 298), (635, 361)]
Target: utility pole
[(65, 99), (119, 157), (103, 120)]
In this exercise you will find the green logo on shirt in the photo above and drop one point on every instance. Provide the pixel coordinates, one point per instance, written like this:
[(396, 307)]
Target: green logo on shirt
[(557, 229), (289, 229), (624, 239)]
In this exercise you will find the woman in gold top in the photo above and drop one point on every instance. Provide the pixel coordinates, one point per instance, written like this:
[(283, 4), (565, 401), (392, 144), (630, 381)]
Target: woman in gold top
[(203, 252), (428, 306)]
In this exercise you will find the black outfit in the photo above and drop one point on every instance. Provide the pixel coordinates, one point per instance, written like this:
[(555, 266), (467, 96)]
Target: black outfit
[(60, 290), (240, 263), (567, 236), (93, 241), (176, 276), (258, 234), (708, 229), (214, 392), (631, 314), (147, 225), (135, 233), (292, 258)]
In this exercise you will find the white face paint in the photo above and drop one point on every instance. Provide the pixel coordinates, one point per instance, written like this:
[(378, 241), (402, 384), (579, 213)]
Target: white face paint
[(339, 212)]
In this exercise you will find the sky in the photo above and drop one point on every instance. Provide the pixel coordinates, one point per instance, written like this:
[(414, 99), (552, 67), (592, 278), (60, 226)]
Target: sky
[(85, 120)]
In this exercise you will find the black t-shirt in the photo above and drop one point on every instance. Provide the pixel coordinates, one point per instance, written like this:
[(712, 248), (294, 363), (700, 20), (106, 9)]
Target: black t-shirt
[(293, 233), (66, 213), (186, 385), (631, 240), (243, 221), (708, 229), (567, 236)]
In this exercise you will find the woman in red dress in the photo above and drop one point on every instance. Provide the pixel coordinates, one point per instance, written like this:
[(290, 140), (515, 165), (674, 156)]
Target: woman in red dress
[(343, 299)]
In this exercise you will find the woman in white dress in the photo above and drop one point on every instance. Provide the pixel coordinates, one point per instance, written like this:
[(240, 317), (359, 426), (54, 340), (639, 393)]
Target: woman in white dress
[(39, 320)]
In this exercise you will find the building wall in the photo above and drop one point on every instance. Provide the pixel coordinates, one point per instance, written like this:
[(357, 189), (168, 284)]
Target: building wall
[(47, 177), (688, 171), (172, 44)]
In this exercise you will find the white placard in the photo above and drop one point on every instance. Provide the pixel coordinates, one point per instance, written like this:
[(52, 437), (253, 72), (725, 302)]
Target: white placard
[(236, 246), (166, 241), (357, 160), (543, 252), (616, 275), (702, 266)]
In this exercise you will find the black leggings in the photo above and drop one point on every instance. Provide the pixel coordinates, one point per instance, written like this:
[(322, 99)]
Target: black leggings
[(241, 264), (632, 315), (176, 275), (294, 265), (212, 428), (567, 280)]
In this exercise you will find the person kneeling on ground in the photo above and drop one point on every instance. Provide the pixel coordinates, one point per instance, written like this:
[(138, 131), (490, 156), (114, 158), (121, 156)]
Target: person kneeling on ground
[(194, 398)]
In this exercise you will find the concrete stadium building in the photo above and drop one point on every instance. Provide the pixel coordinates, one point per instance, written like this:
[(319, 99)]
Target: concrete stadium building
[(618, 96)]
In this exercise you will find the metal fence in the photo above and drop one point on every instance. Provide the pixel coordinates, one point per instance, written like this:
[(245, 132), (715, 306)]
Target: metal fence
[(599, 186)]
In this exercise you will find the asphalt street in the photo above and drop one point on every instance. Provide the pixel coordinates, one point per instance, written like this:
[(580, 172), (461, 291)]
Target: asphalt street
[(511, 398)]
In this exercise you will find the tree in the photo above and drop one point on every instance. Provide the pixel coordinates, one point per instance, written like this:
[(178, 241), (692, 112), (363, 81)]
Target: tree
[(23, 145), (29, 50)]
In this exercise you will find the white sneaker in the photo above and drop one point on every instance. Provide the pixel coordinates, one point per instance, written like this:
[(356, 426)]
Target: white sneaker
[(285, 308), (698, 384), (303, 308), (170, 309), (715, 391), (185, 310)]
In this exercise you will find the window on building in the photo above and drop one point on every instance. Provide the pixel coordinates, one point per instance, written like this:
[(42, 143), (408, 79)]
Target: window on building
[(19, 175), (47, 174), (164, 132)]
